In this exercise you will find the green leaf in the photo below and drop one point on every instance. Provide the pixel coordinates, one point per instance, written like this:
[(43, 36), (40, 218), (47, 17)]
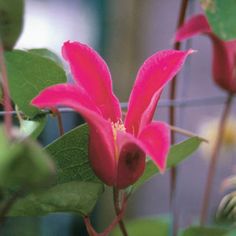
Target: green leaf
[(177, 154), (24, 164), (78, 197), (221, 16), (33, 128), (70, 154), (44, 52), (11, 21), (28, 74), (145, 226), (203, 231)]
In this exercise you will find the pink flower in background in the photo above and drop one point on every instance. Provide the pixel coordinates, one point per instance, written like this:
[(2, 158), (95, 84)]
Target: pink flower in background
[(224, 52), (117, 149)]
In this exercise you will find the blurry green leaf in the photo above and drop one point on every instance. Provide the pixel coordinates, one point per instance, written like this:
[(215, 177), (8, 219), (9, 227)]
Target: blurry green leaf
[(231, 233), (11, 21), (25, 164), (177, 154), (44, 52), (221, 16), (203, 231), (78, 197), (145, 226), (33, 128), (28, 74), (23, 226), (70, 153)]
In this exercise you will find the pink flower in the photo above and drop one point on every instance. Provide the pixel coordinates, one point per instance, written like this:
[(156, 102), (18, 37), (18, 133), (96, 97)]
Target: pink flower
[(117, 149), (224, 52)]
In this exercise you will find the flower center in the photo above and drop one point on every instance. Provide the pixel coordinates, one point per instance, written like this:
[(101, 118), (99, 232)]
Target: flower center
[(117, 126)]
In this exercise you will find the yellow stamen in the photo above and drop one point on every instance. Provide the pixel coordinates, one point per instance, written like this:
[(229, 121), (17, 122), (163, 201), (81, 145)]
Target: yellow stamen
[(117, 126)]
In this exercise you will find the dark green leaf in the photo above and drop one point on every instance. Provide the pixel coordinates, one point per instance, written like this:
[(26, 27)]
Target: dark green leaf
[(149, 227), (78, 197), (24, 164), (11, 21), (203, 231), (28, 74), (221, 16), (70, 153), (44, 52), (177, 154), (33, 128)]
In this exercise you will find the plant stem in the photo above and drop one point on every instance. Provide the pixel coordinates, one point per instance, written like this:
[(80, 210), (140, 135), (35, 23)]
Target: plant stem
[(118, 210), (6, 95), (214, 159), (172, 96), (57, 113), (107, 231), (7, 206), (173, 85)]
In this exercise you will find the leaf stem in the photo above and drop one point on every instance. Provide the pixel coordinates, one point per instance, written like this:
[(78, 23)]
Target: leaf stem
[(118, 210), (214, 159), (6, 95)]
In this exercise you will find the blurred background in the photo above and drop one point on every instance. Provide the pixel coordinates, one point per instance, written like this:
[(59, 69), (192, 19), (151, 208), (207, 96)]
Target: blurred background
[(125, 33)]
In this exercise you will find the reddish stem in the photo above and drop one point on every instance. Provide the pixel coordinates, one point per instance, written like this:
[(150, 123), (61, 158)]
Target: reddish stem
[(118, 210), (107, 231), (59, 120), (172, 96), (6, 95), (214, 159)]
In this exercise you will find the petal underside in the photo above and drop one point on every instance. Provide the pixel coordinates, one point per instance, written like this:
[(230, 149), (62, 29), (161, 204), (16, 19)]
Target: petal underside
[(101, 142), (91, 72), (131, 161), (194, 26)]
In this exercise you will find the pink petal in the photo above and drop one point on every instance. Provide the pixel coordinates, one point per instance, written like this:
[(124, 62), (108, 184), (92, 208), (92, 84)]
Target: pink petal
[(152, 77), (223, 52), (131, 161), (92, 73), (156, 140), (196, 25), (101, 146)]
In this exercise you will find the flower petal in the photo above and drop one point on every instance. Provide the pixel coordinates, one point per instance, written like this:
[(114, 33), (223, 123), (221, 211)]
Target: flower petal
[(223, 52), (156, 140), (194, 26), (131, 162), (91, 72), (152, 77), (101, 141)]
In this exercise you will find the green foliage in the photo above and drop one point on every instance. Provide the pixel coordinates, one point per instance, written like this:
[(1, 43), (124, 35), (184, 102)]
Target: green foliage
[(78, 197), (177, 154), (33, 128), (28, 74), (11, 21), (23, 163), (44, 52), (70, 154), (145, 226), (203, 231), (221, 16)]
